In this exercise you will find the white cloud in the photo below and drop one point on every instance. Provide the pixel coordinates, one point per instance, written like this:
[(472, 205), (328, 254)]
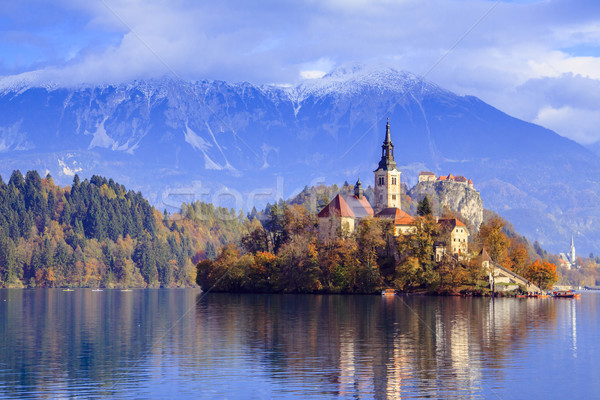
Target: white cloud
[(502, 50), (562, 120), (312, 74)]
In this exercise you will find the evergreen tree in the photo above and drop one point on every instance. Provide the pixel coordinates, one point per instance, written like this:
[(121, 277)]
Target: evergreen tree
[(424, 208)]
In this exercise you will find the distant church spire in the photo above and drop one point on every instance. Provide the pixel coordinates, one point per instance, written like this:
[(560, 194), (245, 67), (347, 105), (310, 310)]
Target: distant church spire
[(387, 162), (572, 250)]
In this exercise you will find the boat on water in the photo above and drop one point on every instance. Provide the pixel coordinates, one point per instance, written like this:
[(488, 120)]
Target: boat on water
[(388, 292), (565, 294), (68, 290), (97, 290)]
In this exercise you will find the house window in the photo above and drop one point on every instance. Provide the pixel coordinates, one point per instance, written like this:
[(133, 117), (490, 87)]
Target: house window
[(393, 197), (381, 180), (393, 180)]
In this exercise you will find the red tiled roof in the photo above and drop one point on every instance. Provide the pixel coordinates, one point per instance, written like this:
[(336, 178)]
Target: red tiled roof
[(347, 206), (427, 173), (398, 216), (336, 208), (460, 178), (450, 176), (470, 182), (360, 207), (442, 178), (450, 222)]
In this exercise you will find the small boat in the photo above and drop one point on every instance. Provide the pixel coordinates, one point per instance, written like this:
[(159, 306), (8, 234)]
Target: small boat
[(388, 292), (97, 290), (125, 290), (68, 290), (565, 294), (522, 296)]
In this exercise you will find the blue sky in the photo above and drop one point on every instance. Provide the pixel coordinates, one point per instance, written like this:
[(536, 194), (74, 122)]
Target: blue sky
[(536, 60)]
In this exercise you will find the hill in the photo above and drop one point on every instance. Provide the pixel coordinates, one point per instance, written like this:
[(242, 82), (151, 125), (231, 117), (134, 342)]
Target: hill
[(97, 233)]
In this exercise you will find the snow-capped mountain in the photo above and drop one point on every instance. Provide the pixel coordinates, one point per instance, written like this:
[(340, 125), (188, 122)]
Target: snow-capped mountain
[(248, 144)]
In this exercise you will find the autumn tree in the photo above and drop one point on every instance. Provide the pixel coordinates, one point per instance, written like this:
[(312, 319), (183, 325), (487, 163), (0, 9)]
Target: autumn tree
[(299, 266), (370, 237), (543, 274), (494, 239), (518, 257)]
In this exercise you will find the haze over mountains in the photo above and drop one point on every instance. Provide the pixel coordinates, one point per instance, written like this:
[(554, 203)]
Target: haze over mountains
[(175, 140)]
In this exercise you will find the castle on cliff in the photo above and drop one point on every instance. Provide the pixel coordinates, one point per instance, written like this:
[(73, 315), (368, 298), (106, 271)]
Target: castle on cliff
[(342, 214)]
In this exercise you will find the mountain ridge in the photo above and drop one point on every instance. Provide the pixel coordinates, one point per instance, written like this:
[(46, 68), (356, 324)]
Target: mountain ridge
[(163, 134)]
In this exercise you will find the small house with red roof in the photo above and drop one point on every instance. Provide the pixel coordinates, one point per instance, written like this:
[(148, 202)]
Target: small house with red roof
[(403, 222)]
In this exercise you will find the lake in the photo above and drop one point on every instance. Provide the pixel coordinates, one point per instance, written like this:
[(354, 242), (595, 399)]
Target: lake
[(179, 343)]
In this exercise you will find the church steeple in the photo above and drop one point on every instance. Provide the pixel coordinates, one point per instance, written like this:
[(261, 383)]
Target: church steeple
[(387, 162), (387, 176), (572, 250)]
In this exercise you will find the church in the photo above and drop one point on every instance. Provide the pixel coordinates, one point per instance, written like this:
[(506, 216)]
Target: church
[(344, 211), (342, 215)]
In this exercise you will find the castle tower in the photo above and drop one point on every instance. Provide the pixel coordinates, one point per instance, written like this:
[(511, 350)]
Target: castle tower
[(572, 251), (387, 176)]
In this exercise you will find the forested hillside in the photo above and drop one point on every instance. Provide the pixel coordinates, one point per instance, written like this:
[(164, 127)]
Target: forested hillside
[(96, 233)]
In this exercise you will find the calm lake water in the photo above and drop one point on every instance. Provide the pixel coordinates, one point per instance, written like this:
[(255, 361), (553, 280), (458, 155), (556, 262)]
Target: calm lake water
[(180, 344)]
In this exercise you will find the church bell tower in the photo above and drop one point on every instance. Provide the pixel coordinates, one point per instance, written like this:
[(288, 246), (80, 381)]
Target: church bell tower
[(387, 176)]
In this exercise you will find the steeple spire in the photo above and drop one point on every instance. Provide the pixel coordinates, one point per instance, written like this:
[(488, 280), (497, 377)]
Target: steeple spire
[(387, 151), (388, 138)]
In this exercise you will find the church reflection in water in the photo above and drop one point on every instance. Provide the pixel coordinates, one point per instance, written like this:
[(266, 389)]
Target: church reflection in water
[(355, 346), (137, 344)]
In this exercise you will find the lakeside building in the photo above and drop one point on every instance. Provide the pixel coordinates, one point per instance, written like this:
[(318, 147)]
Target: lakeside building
[(342, 214), (569, 260)]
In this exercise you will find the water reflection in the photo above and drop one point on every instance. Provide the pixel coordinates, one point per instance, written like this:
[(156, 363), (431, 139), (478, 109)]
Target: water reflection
[(351, 346), (179, 343)]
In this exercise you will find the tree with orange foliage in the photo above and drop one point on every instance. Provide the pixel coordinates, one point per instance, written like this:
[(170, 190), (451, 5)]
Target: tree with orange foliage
[(543, 274)]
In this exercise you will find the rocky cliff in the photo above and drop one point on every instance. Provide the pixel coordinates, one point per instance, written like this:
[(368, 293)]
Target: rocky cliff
[(456, 197)]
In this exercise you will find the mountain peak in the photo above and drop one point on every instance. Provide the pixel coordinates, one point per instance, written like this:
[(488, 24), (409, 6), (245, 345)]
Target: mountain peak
[(349, 79)]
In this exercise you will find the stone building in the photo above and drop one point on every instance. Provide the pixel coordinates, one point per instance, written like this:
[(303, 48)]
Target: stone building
[(428, 176), (342, 214), (457, 236)]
